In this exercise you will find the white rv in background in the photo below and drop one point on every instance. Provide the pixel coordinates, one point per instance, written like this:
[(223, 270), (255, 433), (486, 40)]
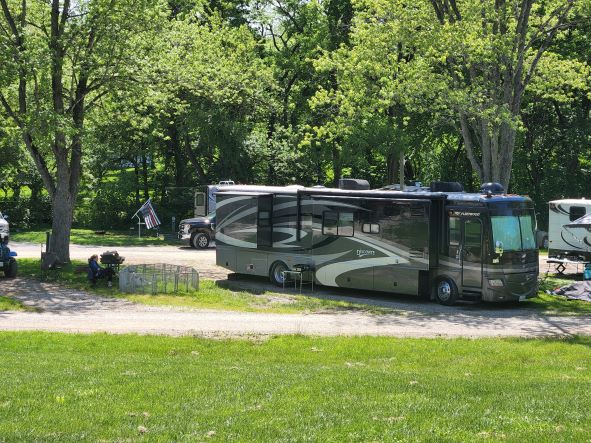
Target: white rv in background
[(569, 240), (205, 201)]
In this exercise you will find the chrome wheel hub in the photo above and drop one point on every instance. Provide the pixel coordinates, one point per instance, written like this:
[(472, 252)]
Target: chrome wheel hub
[(444, 290), (278, 274)]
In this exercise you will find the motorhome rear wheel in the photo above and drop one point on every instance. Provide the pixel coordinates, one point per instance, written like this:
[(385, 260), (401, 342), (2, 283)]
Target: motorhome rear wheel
[(446, 291), (276, 275)]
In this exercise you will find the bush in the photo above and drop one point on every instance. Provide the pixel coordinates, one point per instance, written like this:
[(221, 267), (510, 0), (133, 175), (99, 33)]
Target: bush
[(26, 212)]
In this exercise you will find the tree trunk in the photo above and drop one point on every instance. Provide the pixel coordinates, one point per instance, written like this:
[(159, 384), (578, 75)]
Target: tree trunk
[(393, 168), (271, 173), (337, 167), (145, 176), (136, 169), (201, 175), (496, 145), (401, 171), (63, 214)]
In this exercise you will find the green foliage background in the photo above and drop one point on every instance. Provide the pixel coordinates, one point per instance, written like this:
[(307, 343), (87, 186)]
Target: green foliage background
[(290, 91)]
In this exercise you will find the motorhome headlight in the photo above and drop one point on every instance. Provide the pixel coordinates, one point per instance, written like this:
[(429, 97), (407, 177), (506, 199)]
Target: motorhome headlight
[(496, 283)]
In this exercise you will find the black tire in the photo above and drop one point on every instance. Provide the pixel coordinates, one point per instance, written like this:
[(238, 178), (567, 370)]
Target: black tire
[(11, 269), (200, 240), (446, 291), (275, 273)]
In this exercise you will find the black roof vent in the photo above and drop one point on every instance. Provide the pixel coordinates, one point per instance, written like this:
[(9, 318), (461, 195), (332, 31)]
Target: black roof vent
[(446, 187), (492, 189), (353, 184)]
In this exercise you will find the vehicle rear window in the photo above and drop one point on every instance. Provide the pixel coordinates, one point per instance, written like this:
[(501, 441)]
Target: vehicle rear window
[(576, 212)]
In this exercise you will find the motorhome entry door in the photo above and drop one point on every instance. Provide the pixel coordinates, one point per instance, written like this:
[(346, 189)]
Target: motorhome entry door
[(471, 253), (200, 208)]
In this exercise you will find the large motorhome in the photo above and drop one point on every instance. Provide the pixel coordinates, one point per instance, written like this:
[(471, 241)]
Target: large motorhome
[(438, 242), (567, 240)]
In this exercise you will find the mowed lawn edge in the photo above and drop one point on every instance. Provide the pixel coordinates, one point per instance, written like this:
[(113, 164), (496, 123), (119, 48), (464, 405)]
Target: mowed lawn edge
[(61, 387)]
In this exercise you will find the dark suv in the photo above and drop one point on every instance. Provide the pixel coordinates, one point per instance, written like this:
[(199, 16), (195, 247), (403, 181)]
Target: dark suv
[(198, 232)]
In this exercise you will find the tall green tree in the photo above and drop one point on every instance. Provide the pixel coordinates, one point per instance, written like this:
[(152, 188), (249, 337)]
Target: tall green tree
[(471, 62), (60, 58)]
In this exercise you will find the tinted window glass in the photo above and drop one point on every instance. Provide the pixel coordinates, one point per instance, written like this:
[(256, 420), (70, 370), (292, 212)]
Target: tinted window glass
[(345, 224), (506, 230), (454, 236), (576, 212), (370, 228), (392, 211), (472, 241), (330, 223), (264, 218), (528, 236)]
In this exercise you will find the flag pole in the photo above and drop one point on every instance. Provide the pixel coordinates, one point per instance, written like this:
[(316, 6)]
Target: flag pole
[(139, 226)]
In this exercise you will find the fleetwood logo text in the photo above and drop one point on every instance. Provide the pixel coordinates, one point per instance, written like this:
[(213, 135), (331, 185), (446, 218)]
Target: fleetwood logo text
[(365, 253)]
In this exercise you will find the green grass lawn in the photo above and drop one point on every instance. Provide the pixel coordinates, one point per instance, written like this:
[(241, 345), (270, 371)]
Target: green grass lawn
[(88, 237), (211, 295), (553, 304), (10, 304), (73, 388)]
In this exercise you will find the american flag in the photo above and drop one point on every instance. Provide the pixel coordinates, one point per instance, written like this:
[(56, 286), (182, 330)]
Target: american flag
[(150, 217)]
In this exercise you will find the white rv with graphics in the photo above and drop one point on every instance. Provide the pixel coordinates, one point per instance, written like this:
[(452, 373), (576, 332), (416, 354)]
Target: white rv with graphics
[(569, 231), (439, 241)]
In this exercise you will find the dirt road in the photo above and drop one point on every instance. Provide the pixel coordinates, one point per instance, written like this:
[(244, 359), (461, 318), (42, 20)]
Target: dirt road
[(67, 310)]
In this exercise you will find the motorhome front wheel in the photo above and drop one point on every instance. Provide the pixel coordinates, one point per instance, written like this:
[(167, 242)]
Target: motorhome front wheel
[(446, 291)]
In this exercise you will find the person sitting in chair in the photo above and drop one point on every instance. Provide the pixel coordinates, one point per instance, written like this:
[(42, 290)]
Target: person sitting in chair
[(95, 271)]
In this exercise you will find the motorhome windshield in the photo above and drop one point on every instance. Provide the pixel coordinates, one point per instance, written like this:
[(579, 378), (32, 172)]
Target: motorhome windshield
[(513, 232)]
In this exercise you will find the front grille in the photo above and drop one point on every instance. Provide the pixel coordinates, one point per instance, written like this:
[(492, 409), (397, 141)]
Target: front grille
[(522, 284)]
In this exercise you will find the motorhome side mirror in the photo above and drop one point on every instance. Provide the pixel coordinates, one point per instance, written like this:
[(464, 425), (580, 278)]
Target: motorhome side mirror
[(499, 247)]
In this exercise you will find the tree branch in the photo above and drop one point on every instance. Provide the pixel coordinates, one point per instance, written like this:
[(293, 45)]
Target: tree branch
[(10, 111), (469, 145), (10, 20)]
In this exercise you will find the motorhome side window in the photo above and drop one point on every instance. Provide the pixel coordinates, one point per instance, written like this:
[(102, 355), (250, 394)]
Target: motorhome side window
[(370, 228), (264, 219), (393, 210), (337, 223), (454, 236), (576, 212)]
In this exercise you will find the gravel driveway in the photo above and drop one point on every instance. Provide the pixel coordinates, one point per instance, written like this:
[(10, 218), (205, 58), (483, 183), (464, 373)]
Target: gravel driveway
[(67, 310)]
